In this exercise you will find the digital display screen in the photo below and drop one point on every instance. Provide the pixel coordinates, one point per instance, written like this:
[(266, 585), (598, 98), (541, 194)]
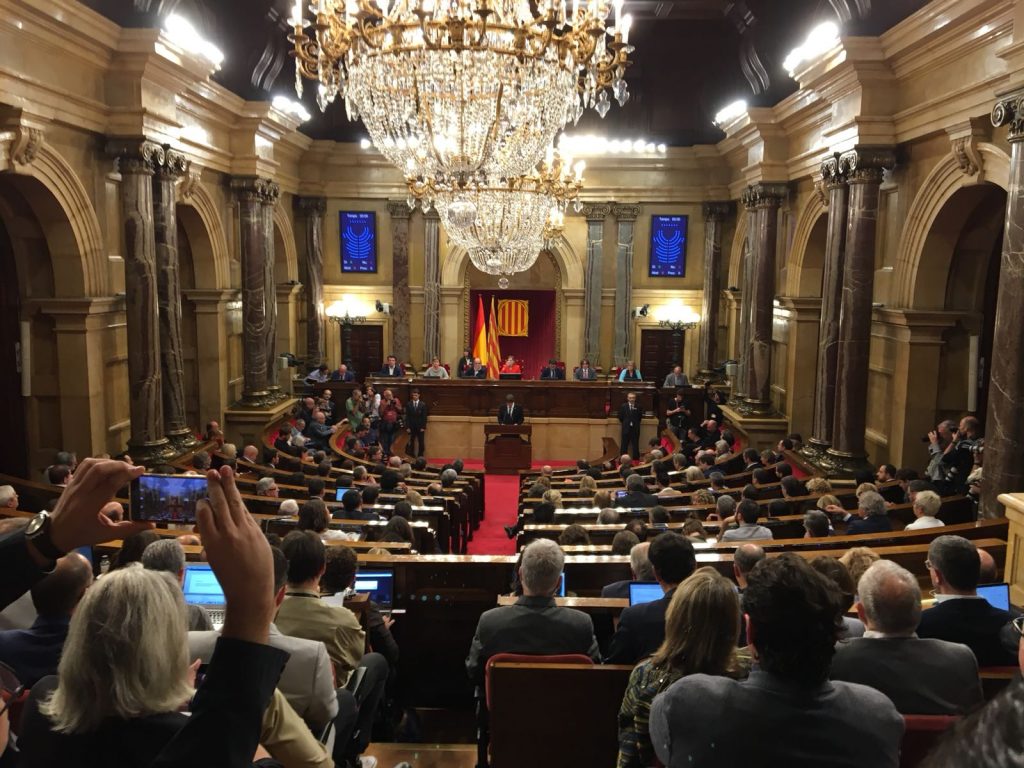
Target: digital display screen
[(668, 246), (377, 584), (167, 498), (358, 241), (644, 592), (201, 586)]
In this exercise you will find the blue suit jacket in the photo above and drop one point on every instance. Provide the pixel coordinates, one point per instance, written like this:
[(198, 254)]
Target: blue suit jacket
[(34, 653), (641, 630)]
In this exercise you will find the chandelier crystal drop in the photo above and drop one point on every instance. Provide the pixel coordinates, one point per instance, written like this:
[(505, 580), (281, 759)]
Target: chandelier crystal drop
[(506, 260), (464, 90)]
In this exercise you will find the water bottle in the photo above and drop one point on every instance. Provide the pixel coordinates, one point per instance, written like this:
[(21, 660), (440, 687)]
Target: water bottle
[(104, 564)]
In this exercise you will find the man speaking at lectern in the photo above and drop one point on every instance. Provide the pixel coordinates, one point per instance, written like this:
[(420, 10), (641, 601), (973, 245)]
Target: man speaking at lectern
[(510, 413)]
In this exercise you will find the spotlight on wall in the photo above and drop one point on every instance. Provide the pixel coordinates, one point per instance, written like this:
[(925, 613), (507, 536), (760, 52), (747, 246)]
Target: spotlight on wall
[(383, 307), (641, 311)]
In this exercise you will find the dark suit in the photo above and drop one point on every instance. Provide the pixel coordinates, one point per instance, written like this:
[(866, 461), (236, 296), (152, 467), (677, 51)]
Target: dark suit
[(416, 421), (515, 417), (393, 373), (641, 630), (588, 375), (973, 622), (873, 524), (554, 374), (534, 625), (464, 364), (617, 589), (921, 676), (635, 499), (349, 376), (35, 652), (630, 432), (319, 435), (471, 374)]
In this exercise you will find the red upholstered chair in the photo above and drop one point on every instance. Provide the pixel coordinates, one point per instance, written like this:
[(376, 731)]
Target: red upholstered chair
[(921, 734)]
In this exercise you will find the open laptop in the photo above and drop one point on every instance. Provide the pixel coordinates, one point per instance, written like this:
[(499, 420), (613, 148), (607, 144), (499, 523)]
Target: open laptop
[(378, 583), (561, 585), (644, 592), (998, 595), (202, 588)]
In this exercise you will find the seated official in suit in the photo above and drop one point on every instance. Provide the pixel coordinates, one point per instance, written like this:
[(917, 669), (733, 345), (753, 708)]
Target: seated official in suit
[(959, 615), (639, 565), (392, 368), (475, 370), (34, 653), (584, 372), (642, 627), (676, 379), (747, 514), (510, 413), (874, 516), (534, 625), (787, 712), (630, 373), (922, 676), (435, 370), (319, 431), (510, 366), (636, 494), (343, 374), (552, 371)]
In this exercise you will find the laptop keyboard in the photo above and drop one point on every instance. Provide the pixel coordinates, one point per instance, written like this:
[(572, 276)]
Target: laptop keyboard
[(216, 616)]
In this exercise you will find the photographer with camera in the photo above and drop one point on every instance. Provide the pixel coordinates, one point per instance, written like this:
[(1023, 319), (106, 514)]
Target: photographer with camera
[(952, 450)]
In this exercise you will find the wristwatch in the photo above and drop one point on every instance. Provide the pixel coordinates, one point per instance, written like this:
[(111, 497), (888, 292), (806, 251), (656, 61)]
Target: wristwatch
[(38, 532)]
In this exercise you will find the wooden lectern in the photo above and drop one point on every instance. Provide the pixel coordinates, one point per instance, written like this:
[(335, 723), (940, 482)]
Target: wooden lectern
[(507, 448)]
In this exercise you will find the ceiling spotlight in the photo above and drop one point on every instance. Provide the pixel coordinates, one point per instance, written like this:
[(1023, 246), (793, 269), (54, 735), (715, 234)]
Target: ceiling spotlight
[(820, 40), (730, 112)]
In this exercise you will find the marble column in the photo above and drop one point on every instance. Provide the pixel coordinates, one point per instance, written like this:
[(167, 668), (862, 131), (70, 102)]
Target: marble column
[(707, 347), (431, 285), (256, 294), (625, 216), (864, 168), (595, 214), (136, 161), (765, 199), (837, 194), (313, 210), (165, 215), (1004, 423), (268, 202), (401, 298), (740, 386)]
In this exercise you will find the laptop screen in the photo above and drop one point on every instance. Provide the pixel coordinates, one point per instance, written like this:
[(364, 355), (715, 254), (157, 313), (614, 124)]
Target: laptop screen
[(201, 586), (561, 585), (644, 592), (378, 583), (998, 595)]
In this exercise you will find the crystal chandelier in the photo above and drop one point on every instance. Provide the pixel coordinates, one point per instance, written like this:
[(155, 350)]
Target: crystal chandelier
[(464, 89)]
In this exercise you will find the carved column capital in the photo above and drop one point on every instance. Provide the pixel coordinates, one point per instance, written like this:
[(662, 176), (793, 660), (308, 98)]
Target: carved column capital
[(136, 155), (718, 211), (399, 209), (865, 165), (172, 165), (255, 189), (190, 181), (311, 205), (1010, 111), (596, 211), (21, 138), (626, 212), (764, 195)]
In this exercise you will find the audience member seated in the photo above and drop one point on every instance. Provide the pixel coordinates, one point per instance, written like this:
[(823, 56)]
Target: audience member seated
[(991, 736), (792, 487), (607, 516), (744, 559), (658, 515), (787, 712), (926, 507), (639, 565), (752, 460), (8, 497), (34, 653), (837, 573), (352, 507), (701, 627), (747, 513), (132, 548), (857, 560), (636, 494), (623, 543), (534, 625), (816, 525), (314, 516), (58, 474), (922, 676), (641, 627), (168, 556), (574, 535), (959, 615), (874, 515)]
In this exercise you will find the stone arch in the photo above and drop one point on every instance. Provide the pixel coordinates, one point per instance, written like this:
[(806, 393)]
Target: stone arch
[(920, 274), (568, 261), (807, 259), (211, 259), (286, 269), (69, 221)]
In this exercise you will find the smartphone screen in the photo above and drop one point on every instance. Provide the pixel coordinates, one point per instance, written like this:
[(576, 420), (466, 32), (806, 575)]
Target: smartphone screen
[(167, 498), (619, 495)]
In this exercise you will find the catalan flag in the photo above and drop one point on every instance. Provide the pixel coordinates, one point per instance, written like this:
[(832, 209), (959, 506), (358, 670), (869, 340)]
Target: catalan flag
[(480, 333), (514, 317), (493, 350)]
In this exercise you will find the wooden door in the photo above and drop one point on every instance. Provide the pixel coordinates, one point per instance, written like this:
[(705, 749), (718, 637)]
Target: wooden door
[(366, 350), (657, 357), (14, 446)]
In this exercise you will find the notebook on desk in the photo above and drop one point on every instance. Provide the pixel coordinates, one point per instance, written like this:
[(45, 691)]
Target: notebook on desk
[(202, 588)]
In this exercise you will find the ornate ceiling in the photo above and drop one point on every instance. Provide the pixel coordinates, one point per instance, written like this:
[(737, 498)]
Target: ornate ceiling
[(692, 56)]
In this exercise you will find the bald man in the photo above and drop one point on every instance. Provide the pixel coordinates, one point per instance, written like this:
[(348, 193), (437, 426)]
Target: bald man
[(8, 497)]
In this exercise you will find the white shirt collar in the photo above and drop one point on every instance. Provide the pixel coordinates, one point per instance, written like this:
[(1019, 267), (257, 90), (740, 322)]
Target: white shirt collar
[(871, 633), (944, 598)]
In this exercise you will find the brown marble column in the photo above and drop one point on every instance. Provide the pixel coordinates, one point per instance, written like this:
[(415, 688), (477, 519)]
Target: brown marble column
[(268, 202), (256, 294), (765, 199), (313, 210), (622, 347), (707, 351), (1004, 424), (401, 298), (739, 392), (431, 285), (595, 214), (136, 161), (864, 169), (165, 216), (837, 197)]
